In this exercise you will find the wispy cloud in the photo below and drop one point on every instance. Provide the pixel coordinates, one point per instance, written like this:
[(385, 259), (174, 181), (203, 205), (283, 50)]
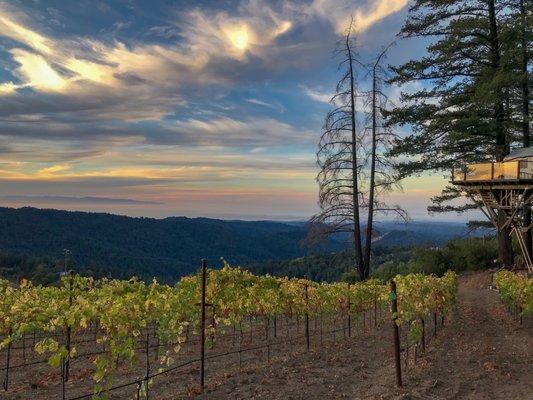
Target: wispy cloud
[(251, 31), (53, 169), (117, 65), (318, 94), (235, 132), (340, 12), (16, 31), (276, 106), (75, 200)]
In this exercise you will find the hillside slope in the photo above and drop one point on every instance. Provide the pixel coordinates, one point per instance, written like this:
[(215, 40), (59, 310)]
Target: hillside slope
[(168, 247), (172, 247)]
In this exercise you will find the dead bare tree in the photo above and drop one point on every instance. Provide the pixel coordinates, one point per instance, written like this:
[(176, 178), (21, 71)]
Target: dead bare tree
[(383, 176), (337, 156), (353, 174)]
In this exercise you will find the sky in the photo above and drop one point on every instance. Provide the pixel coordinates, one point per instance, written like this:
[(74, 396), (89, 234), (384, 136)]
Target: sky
[(196, 108)]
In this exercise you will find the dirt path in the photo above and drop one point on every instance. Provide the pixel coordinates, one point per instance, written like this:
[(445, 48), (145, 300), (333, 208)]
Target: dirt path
[(485, 354), (482, 354), (333, 371)]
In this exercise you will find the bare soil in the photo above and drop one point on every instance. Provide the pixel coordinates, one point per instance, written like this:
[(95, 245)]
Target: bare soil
[(482, 353)]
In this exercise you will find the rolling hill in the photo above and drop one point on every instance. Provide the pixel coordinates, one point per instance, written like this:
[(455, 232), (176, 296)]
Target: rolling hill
[(172, 247)]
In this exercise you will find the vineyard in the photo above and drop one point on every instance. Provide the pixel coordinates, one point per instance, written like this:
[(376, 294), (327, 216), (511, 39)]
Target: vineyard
[(516, 291), (125, 320)]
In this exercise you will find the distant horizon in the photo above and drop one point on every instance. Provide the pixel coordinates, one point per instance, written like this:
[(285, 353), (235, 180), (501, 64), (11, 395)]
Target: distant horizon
[(235, 217)]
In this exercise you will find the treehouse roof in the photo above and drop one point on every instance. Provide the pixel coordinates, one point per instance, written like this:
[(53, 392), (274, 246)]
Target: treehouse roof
[(524, 152)]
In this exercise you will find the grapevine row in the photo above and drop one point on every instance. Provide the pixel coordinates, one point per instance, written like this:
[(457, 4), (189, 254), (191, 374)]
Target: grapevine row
[(515, 290), (125, 311)]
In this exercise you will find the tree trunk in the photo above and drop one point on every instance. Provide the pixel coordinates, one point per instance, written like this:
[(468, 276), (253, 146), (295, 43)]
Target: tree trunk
[(361, 267), (505, 246), (525, 76), (528, 237), (370, 219), (499, 111)]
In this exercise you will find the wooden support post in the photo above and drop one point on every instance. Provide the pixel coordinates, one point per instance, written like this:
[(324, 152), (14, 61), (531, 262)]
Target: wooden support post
[(69, 328), (349, 319), (8, 360), (63, 379), (375, 312), (307, 317), (396, 333), (147, 371), (202, 325), (423, 322)]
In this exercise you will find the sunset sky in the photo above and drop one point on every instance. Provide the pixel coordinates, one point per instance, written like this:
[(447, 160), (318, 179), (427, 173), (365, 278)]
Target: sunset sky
[(161, 108)]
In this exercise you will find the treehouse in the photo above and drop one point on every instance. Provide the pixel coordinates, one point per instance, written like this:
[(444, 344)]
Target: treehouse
[(503, 186), (515, 168)]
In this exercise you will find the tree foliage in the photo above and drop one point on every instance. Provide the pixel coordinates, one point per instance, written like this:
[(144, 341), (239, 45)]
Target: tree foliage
[(461, 110), (470, 101)]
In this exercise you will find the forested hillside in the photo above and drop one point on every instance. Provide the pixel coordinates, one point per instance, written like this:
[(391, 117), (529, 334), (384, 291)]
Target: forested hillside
[(32, 242), (167, 248)]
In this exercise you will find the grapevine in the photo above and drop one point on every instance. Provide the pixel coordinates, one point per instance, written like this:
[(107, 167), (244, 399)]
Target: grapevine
[(124, 313), (420, 295), (515, 290)]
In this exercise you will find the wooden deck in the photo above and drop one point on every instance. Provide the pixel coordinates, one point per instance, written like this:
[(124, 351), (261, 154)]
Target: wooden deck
[(519, 173)]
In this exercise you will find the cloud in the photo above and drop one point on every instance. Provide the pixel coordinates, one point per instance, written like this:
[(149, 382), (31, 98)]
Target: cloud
[(75, 200), (145, 81), (318, 95), (53, 169), (8, 88), (225, 131), (380, 9), (97, 80), (321, 96), (118, 65), (259, 102), (35, 72), (77, 183), (179, 110), (164, 31), (277, 106), (339, 12), (13, 30), (249, 30), (96, 138), (108, 80)]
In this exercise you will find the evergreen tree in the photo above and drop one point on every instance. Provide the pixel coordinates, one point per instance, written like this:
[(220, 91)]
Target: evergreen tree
[(463, 111), (516, 44)]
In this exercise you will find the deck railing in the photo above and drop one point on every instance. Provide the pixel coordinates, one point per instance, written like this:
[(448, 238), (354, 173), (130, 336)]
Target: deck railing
[(494, 171)]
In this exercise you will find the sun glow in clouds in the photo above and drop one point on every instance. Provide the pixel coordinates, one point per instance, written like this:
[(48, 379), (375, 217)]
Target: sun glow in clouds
[(239, 37), (21, 34), (282, 28), (36, 71)]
